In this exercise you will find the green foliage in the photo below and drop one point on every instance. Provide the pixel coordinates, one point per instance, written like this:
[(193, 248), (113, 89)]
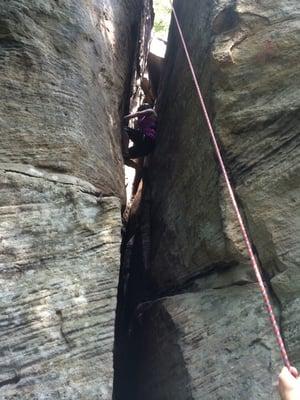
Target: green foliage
[(162, 17)]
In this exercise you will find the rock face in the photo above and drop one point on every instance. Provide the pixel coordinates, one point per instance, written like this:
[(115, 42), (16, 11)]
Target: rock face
[(214, 341), (65, 73), (208, 345)]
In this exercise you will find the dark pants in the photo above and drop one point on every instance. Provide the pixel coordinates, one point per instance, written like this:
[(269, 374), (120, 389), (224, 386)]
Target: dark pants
[(143, 145)]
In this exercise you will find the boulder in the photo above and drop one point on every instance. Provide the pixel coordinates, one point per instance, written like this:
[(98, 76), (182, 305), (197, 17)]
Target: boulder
[(65, 72), (210, 345)]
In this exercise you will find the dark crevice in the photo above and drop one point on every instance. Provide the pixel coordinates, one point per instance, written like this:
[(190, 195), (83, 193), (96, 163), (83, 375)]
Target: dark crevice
[(227, 20), (133, 290), (11, 381), (133, 287), (187, 286), (61, 329), (9, 43), (8, 38)]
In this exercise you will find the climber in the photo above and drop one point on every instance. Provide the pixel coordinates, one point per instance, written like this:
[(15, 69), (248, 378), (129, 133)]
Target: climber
[(143, 136), (288, 385)]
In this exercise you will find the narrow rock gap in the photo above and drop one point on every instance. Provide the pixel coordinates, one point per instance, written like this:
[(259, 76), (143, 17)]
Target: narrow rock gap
[(136, 292), (134, 283)]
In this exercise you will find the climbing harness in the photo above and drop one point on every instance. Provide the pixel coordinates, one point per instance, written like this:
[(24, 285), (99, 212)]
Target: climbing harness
[(234, 203)]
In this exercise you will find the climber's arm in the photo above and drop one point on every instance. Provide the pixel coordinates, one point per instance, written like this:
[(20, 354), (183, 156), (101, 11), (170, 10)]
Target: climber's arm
[(140, 113)]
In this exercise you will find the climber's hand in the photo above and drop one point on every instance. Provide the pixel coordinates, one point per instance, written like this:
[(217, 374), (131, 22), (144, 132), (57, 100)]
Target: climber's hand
[(288, 385), (129, 116)]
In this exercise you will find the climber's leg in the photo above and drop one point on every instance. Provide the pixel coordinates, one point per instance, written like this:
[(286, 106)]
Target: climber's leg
[(137, 138), (134, 134), (138, 175), (130, 163), (125, 145), (142, 147)]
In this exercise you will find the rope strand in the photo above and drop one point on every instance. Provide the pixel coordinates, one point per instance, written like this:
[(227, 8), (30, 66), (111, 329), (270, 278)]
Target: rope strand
[(234, 204)]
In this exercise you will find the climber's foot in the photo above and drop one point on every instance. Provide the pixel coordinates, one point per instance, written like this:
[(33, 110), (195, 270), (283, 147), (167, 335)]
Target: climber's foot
[(130, 163)]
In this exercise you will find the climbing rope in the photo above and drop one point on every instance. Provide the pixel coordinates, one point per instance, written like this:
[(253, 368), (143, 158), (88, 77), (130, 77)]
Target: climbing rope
[(234, 203)]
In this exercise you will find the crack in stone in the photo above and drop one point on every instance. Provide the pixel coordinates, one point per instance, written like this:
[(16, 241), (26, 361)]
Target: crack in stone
[(32, 172), (11, 381), (62, 332)]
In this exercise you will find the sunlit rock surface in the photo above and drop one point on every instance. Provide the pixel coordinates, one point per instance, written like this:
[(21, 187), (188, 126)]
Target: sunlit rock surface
[(65, 69), (246, 55)]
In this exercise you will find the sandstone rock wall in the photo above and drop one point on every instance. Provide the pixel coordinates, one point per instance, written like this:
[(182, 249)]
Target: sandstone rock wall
[(65, 69), (214, 340)]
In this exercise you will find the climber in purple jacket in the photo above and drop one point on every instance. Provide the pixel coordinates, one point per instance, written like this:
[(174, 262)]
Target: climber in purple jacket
[(144, 136)]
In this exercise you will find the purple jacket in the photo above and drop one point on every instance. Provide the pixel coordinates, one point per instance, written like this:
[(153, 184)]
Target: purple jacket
[(147, 125)]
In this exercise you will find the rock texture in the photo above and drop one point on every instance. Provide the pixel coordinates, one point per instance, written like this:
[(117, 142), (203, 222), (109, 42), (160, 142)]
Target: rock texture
[(246, 55), (65, 73), (197, 346)]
